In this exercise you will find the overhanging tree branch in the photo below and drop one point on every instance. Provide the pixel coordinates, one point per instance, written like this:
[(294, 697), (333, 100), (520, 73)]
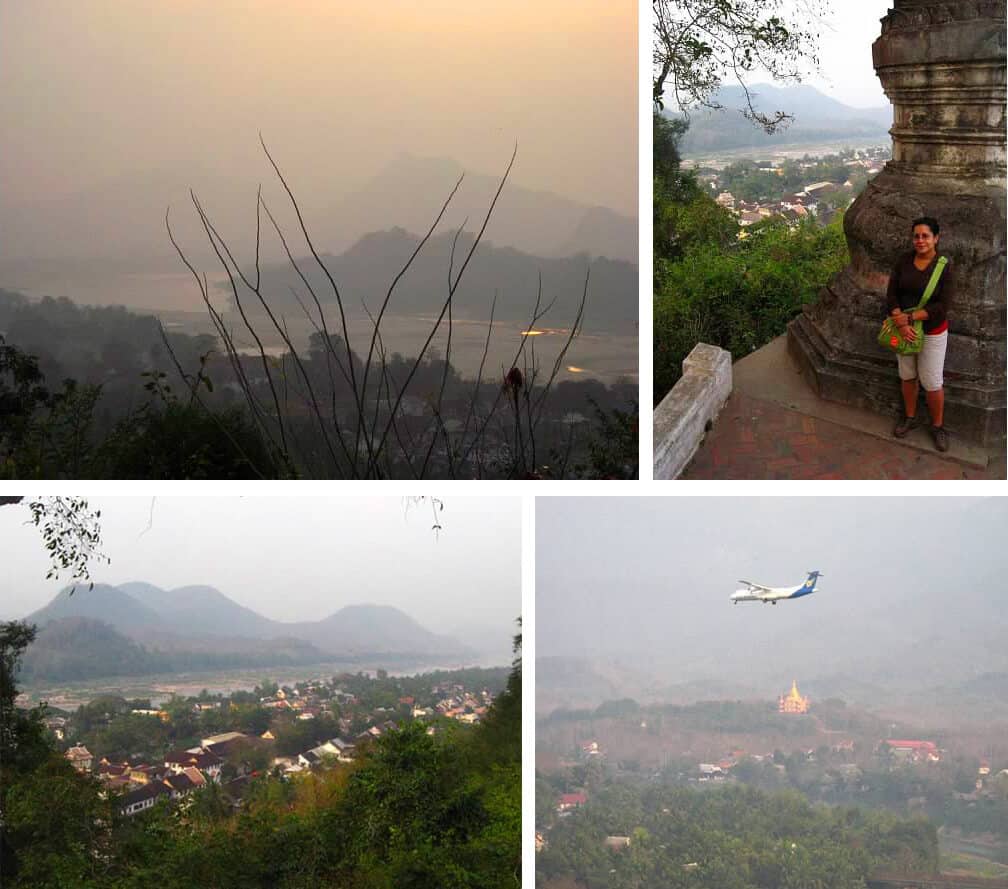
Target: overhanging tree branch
[(700, 43)]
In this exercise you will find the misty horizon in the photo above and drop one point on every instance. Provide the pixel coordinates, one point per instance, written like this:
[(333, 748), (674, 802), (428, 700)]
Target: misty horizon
[(105, 118), (659, 611), (275, 554)]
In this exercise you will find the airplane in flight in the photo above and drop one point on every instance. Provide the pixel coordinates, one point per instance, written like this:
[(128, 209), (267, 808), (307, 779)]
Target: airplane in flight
[(756, 592)]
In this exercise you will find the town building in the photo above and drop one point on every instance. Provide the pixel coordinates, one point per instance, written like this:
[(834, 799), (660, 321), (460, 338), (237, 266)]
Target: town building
[(913, 751), (571, 801), (80, 758), (726, 199), (143, 797)]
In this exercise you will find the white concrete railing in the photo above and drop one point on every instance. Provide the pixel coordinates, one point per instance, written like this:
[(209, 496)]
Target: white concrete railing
[(681, 419)]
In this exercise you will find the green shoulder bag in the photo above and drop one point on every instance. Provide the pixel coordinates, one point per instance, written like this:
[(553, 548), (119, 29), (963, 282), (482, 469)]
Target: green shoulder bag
[(889, 336)]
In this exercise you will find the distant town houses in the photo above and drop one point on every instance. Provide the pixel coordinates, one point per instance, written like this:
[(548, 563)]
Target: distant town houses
[(913, 751), (143, 798), (711, 772), (57, 725), (342, 703), (80, 758), (805, 203), (200, 758), (464, 706), (336, 750), (568, 802), (163, 715)]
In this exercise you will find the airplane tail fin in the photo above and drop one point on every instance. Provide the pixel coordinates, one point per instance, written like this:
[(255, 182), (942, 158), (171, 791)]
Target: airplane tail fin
[(812, 579)]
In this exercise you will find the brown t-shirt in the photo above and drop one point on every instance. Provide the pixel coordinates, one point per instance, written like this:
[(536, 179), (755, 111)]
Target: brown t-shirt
[(906, 287)]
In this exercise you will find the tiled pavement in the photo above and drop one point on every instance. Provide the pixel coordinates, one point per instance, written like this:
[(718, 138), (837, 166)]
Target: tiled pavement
[(757, 439)]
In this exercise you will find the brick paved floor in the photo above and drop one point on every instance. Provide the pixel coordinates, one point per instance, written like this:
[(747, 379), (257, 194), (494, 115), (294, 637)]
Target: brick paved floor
[(756, 439)]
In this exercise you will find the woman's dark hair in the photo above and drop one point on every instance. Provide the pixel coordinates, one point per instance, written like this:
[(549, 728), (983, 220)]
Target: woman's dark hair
[(929, 221)]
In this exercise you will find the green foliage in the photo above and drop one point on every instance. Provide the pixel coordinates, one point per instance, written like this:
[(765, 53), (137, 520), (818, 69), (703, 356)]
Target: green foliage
[(22, 393), (420, 810), (175, 440), (688, 223), (614, 448), (731, 837), (717, 283), (53, 818), (741, 297), (22, 737)]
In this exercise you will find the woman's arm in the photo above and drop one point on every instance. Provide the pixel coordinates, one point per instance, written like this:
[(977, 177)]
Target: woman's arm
[(891, 294), (936, 310)]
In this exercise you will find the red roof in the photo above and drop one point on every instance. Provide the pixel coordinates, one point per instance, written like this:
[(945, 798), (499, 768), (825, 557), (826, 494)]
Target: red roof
[(573, 799), (913, 745)]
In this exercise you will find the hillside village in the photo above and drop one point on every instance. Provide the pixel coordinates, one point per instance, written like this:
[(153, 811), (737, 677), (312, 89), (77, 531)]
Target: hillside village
[(795, 190), (720, 743), (143, 753)]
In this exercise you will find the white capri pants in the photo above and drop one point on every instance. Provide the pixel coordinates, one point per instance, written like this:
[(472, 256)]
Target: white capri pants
[(929, 364)]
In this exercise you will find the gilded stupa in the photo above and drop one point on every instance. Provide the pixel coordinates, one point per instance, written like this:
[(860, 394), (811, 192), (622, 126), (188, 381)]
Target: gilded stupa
[(793, 702)]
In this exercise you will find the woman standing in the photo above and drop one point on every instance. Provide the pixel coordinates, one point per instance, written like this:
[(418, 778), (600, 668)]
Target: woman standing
[(907, 283)]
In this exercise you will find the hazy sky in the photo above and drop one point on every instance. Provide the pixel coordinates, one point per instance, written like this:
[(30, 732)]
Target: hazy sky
[(99, 90), (298, 558), (845, 40), (649, 580), (846, 33)]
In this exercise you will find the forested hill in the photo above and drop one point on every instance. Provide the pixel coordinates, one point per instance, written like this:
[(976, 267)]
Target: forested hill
[(366, 270), (140, 628), (73, 648)]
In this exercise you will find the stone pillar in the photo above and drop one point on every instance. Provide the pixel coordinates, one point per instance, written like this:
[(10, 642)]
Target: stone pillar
[(942, 65)]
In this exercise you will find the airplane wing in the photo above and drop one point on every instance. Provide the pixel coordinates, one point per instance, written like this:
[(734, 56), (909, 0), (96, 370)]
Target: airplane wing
[(755, 586)]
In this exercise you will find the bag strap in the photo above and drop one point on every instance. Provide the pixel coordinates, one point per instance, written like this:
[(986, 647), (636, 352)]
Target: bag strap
[(933, 283)]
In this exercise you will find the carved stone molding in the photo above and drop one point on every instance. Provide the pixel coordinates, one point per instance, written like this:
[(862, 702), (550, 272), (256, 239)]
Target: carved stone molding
[(915, 14)]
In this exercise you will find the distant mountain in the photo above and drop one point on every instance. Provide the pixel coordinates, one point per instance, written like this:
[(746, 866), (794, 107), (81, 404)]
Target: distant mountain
[(218, 615), (123, 219), (603, 232), (581, 682), (195, 627), (817, 118), (365, 271), (409, 193), (106, 603), (72, 648), (362, 629)]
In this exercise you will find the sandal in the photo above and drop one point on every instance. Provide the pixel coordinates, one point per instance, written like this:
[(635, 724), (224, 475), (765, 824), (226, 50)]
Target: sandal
[(940, 437), (905, 425)]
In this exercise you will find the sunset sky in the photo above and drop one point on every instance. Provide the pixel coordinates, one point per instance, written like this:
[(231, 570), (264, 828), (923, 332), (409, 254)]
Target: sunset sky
[(110, 89)]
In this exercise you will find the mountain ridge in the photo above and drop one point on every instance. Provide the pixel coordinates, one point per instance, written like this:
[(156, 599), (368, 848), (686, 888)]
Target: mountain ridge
[(129, 212), (817, 118), (366, 269), (199, 613)]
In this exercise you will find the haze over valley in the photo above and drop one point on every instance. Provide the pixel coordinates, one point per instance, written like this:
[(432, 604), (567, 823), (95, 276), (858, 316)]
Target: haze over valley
[(875, 705), (323, 591), (870, 634)]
